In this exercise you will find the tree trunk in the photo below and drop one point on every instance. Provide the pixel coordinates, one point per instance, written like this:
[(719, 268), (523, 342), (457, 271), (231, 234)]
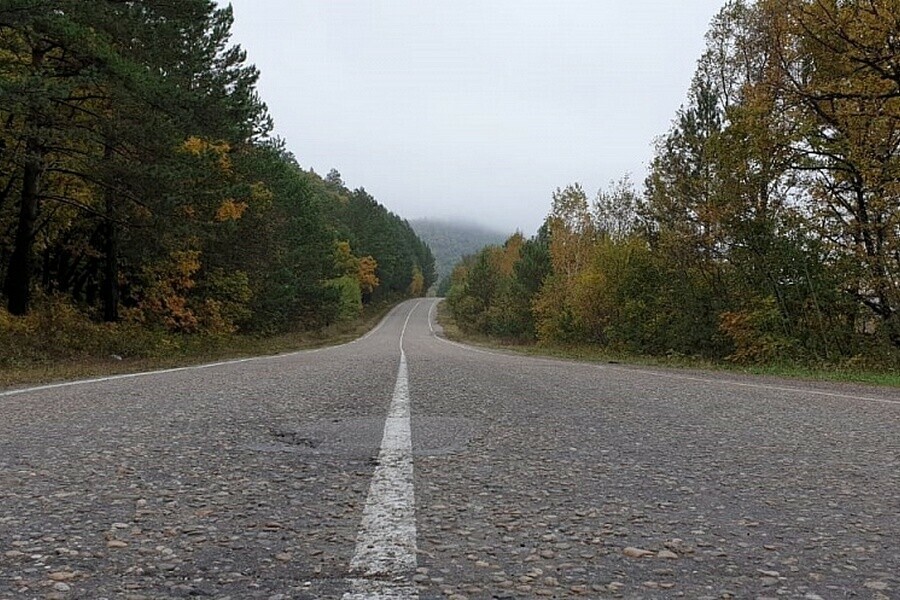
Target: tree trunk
[(109, 292), (21, 264)]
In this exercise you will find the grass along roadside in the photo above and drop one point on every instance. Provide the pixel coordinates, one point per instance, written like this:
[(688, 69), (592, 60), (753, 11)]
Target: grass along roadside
[(192, 350), (595, 354)]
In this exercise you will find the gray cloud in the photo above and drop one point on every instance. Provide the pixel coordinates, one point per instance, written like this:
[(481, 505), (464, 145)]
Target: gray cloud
[(468, 109)]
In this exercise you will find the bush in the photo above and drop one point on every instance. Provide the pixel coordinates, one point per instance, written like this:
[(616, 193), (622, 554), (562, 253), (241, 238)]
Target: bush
[(757, 333), (350, 303), (56, 330)]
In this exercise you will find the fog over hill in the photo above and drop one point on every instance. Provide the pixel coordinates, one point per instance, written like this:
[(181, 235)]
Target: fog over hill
[(451, 240)]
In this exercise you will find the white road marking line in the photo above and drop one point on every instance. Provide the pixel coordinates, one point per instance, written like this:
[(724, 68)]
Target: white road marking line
[(480, 351), (385, 556), (53, 386), (725, 382), (431, 315), (375, 329), (237, 361), (765, 386), (372, 589), (451, 342)]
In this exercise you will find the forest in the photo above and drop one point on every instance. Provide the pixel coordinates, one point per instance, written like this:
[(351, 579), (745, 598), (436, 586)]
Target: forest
[(768, 228), (142, 189), (450, 241)]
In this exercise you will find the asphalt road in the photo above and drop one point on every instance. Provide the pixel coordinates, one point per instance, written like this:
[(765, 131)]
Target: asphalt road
[(455, 473)]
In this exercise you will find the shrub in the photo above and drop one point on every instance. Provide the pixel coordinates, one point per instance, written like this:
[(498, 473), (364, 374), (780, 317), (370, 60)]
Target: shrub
[(350, 303)]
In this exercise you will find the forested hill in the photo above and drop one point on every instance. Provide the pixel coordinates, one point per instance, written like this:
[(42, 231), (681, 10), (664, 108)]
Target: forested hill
[(139, 183), (451, 240)]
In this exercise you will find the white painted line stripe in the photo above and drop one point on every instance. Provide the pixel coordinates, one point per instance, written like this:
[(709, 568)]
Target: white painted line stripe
[(431, 315), (53, 386), (480, 351), (375, 329), (765, 386), (724, 382), (237, 361), (385, 557)]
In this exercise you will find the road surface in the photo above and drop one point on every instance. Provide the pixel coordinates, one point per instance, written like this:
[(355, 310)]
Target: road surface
[(406, 466)]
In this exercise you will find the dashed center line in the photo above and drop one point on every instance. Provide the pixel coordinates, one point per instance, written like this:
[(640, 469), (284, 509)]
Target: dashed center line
[(385, 556)]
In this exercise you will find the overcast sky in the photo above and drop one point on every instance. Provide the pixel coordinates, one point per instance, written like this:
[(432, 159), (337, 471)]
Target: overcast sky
[(473, 109)]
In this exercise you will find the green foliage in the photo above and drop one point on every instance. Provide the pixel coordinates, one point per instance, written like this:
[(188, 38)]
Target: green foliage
[(487, 296), (555, 320), (55, 330), (757, 333), (227, 300), (283, 242), (450, 242), (138, 183), (374, 231), (767, 230), (349, 297)]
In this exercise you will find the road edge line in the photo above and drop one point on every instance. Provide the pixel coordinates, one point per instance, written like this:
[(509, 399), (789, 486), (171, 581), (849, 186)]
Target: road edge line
[(724, 382), (221, 363)]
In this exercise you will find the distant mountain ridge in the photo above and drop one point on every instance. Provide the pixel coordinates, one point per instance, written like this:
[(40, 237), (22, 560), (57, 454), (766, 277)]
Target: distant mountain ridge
[(451, 240)]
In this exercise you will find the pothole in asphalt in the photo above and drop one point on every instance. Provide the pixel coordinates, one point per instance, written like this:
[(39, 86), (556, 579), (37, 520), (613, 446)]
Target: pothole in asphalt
[(346, 437), (431, 436)]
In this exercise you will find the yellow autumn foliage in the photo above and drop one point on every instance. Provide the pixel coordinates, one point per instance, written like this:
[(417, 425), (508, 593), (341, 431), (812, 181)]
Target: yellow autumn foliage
[(164, 298), (56, 330), (230, 210), (196, 146), (366, 276), (344, 261), (417, 284), (362, 269), (260, 194)]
